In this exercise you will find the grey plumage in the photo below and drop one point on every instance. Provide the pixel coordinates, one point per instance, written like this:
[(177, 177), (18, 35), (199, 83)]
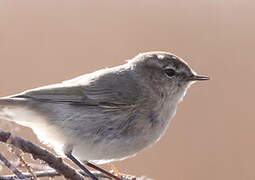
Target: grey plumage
[(107, 115)]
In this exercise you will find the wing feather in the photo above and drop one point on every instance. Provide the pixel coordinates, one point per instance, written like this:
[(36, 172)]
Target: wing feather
[(110, 90)]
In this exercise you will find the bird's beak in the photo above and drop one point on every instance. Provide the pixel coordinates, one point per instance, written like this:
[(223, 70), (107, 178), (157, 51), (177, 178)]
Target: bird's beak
[(199, 78)]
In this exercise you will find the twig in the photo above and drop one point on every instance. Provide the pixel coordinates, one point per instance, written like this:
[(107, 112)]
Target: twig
[(34, 167), (26, 165), (37, 152), (47, 173), (9, 165), (53, 173)]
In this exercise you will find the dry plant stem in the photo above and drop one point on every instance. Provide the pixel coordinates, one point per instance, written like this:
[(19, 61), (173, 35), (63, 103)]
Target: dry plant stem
[(12, 167), (37, 152), (26, 165), (19, 153), (47, 173), (34, 167)]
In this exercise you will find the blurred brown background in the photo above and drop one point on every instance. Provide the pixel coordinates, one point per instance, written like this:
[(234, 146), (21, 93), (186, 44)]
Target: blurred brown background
[(212, 135)]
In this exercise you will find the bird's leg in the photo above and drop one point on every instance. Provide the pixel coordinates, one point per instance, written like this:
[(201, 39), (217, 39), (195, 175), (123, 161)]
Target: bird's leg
[(80, 165), (102, 170)]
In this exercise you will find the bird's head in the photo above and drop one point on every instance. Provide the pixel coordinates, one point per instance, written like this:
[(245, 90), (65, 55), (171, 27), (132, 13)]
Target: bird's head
[(168, 74)]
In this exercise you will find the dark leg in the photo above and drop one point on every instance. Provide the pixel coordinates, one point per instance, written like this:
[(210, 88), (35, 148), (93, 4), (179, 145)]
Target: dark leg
[(75, 161), (102, 170)]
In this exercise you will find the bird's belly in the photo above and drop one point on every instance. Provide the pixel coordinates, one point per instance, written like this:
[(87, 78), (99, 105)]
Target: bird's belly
[(111, 150), (107, 150), (104, 151)]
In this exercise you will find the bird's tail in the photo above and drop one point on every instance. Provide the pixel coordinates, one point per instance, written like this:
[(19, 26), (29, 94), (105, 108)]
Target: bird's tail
[(20, 111), (10, 106), (11, 101)]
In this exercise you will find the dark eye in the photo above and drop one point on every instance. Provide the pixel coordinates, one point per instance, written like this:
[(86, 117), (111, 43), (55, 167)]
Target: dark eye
[(170, 72)]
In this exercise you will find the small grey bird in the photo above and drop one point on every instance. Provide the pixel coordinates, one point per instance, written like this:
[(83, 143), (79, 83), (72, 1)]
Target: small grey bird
[(107, 115)]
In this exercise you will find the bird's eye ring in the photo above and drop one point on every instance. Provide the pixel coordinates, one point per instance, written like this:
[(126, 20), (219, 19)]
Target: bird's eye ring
[(170, 72)]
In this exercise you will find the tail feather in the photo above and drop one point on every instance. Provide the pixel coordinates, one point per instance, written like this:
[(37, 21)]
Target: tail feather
[(9, 101), (8, 104)]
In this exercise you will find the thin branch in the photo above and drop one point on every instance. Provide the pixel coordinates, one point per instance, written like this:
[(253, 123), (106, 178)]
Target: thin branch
[(9, 165), (53, 173), (18, 153), (47, 173), (39, 153), (33, 166)]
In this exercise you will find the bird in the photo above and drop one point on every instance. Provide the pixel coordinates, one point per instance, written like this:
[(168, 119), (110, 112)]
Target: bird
[(107, 115)]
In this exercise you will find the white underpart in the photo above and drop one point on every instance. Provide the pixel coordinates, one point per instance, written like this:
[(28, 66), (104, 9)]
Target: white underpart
[(45, 132)]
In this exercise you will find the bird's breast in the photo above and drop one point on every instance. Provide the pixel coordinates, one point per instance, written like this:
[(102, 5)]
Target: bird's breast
[(160, 119)]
